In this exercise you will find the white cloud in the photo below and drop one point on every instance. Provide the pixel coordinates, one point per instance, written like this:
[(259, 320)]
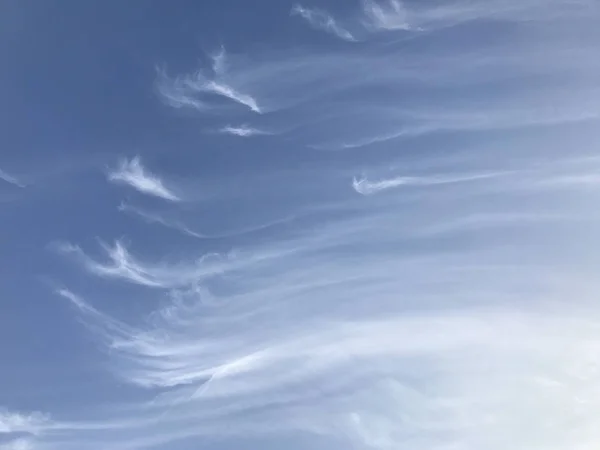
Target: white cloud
[(390, 15), (121, 265), (219, 60), (323, 21), (386, 15), (132, 173), (242, 131), (256, 358), (382, 93), (459, 313), (4, 176), (365, 187), (18, 444), (15, 422), (224, 90), (195, 90), (151, 217)]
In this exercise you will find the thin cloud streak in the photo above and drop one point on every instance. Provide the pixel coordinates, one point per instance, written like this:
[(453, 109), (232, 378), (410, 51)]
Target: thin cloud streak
[(14, 422), (219, 61), (133, 174), (242, 131), (227, 356), (156, 218), (224, 90), (419, 319), (386, 15), (365, 187), (18, 444), (398, 15), (120, 264), (405, 358), (195, 90), (301, 83), (10, 179), (322, 20)]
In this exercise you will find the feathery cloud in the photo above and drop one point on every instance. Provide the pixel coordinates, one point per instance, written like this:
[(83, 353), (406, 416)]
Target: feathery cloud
[(4, 176), (14, 422), (365, 187), (197, 89), (386, 15), (132, 173), (156, 218), (416, 320), (122, 265), (322, 20), (242, 131), (18, 444), (224, 90), (219, 61)]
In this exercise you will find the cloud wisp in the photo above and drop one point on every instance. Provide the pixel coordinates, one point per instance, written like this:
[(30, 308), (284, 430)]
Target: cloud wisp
[(151, 217), (198, 90), (409, 338), (242, 131), (446, 299), (376, 369), (343, 99), (133, 174), (14, 422), (19, 431), (365, 187), (321, 20), (10, 179), (386, 15), (120, 264)]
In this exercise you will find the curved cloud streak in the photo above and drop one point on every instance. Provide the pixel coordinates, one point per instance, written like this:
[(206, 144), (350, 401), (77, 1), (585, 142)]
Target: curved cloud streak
[(365, 187), (13, 422), (386, 15), (197, 89), (322, 20), (133, 174), (242, 131), (458, 312), (8, 178)]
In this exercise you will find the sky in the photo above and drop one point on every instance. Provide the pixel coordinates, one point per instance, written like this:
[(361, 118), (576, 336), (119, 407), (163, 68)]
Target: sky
[(357, 224)]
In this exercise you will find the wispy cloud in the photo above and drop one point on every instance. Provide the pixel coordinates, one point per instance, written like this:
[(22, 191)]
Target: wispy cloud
[(196, 90), (219, 61), (15, 422), (180, 226), (132, 173), (391, 15), (419, 319), (364, 349), (227, 359), (304, 86), (175, 93), (120, 264), (386, 14), (18, 444), (242, 131), (11, 179), (224, 90), (323, 21), (365, 187), (157, 218)]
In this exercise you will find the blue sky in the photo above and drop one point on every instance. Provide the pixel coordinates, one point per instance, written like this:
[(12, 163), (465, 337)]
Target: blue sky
[(320, 225)]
